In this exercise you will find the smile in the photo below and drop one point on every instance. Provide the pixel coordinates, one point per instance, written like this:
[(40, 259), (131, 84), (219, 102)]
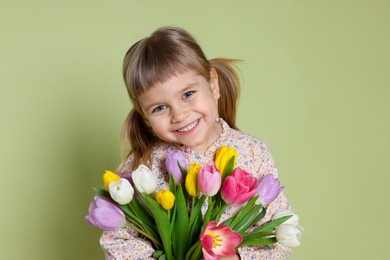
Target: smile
[(188, 127)]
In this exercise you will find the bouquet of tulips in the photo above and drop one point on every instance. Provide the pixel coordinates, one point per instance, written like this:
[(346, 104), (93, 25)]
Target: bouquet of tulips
[(185, 222)]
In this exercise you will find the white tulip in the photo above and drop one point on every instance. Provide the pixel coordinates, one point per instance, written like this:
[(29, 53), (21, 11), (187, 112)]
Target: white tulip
[(289, 235), (121, 191), (144, 179), (292, 221)]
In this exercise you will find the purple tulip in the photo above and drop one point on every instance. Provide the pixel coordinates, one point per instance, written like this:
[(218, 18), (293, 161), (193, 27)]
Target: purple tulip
[(104, 214), (171, 162), (268, 189), (209, 180)]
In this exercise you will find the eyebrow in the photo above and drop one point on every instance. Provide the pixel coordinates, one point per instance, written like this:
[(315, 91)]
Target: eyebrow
[(188, 87)]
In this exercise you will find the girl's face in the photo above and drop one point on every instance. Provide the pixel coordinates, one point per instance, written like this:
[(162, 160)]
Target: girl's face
[(184, 110)]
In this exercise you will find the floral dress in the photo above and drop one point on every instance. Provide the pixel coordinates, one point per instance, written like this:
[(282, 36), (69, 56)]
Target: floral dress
[(253, 156)]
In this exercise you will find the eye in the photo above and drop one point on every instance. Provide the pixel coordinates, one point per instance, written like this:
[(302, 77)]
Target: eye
[(158, 108), (188, 94)]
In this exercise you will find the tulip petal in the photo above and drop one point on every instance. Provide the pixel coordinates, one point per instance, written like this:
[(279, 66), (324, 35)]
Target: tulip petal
[(104, 214), (207, 244), (207, 256), (231, 240), (144, 179), (268, 189), (288, 235), (219, 241), (209, 180), (172, 161), (229, 193)]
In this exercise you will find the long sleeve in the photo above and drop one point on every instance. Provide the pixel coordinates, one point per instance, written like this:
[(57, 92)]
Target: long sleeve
[(257, 159), (253, 156), (125, 243), (276, 251), (281, 204)]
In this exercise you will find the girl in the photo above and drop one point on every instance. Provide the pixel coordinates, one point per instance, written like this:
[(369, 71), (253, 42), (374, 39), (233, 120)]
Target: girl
[(182, 101)]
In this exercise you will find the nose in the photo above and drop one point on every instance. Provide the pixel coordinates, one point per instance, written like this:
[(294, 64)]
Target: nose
[(179, 113)]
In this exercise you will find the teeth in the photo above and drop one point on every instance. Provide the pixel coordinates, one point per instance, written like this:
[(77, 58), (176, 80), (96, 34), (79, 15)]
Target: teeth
[(188, 128)]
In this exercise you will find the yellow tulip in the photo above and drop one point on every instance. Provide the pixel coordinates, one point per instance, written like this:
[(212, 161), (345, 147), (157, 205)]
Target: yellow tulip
[(223, 156), (108, 177), (165, 198), (192, 180)]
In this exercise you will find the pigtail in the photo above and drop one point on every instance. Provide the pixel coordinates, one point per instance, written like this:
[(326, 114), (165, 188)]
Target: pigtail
[(229, 88), (141, 139)]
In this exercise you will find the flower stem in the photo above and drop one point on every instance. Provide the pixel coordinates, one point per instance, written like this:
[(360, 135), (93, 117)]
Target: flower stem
[(192, 210), (132, 226), (223, 207)]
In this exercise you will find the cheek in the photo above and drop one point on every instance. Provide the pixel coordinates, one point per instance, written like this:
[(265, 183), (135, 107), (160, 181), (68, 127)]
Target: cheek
[(158, 127)]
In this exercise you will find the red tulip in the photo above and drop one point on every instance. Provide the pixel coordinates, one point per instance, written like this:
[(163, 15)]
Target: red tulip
[(219, 241), (239, 187)]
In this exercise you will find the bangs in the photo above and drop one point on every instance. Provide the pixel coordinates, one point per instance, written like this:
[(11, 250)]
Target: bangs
[(158, 58)]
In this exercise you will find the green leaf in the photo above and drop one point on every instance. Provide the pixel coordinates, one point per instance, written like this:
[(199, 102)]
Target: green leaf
[(172, 186), (251, 235), (219, 211), (260, 216), (157, 254), (196, 220), (180, 233), (102, 192), (227, 222), (259, 241), (271, 225), (247, 221), (142, 214), (183, 171), (193, 252), (243, 212), (197, 254), (229, 168), (129, 213), (163, 225), (207, 216)]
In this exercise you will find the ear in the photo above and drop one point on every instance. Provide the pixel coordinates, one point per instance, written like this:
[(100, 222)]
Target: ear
[(214, 86)]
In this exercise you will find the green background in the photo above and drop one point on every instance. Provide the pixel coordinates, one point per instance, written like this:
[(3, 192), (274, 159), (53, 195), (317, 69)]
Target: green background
[(316, 81)]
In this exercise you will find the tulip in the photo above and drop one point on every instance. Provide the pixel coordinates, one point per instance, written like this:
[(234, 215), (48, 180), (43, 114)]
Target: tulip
[(121, 191), (108, 177), (289, 235), (165, 198), (223, 156), (268, 189), (219, 241), (174, 158), (144, 180), (209, 180), (239, 187), (104, 214), (293, 220), (192, 180)]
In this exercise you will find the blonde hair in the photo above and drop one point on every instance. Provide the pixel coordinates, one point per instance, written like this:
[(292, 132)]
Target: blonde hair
[(155, 59)]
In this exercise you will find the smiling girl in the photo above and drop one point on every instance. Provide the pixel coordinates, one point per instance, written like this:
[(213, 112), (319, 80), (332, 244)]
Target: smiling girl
[(182, 101)]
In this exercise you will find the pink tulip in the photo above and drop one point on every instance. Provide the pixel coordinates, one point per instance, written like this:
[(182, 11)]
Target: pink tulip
[(268, 189), (209, 179), (218, 241), (239, 187), (104, 214)]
